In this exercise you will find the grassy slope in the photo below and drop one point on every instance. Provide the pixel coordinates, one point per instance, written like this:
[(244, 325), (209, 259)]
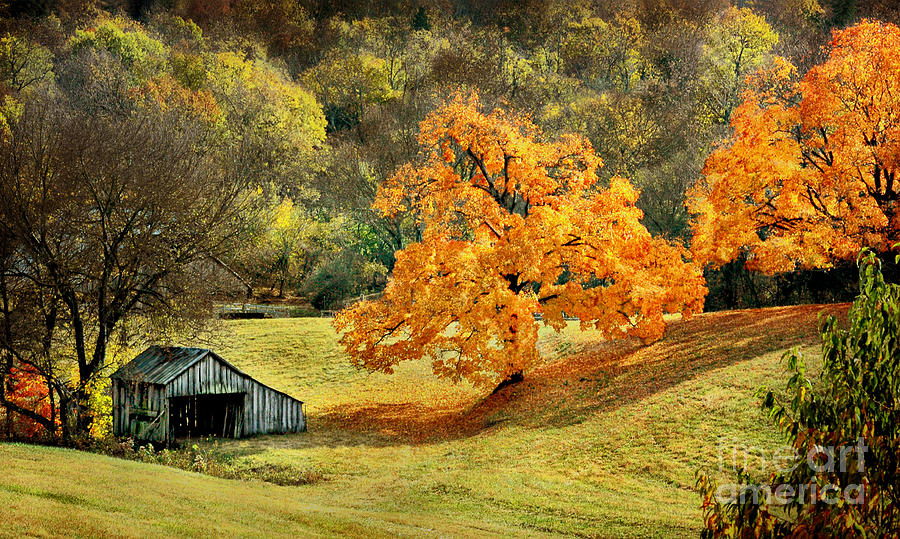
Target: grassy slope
[(52, 492), (602, 440)]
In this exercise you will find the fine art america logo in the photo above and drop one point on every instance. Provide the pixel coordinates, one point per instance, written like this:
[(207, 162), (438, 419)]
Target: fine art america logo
[(824, 460)]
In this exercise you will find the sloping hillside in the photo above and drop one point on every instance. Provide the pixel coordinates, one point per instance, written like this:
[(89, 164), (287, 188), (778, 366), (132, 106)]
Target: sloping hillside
[(602, 440), (51, 492)]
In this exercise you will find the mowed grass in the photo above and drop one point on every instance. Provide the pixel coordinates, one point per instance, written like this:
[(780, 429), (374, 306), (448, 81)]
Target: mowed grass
[(602, 440), (52, 492)]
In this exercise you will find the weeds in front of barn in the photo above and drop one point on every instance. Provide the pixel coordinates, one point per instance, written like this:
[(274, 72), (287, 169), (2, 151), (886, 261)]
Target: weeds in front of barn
[(207, 458)]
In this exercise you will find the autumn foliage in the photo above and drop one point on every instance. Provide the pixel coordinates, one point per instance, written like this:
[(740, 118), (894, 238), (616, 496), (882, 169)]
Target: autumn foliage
[(809, 175), (512, 226), (28, 390)]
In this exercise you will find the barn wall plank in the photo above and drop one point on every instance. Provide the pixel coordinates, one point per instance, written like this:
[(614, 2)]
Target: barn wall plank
[(260, 409), (289, 417), (248, 411), (115, 398), (257, 419), (276, 409), (167, 418), (260, 420), (263, 410), (257, 410), (272, 408), (268, 410), (253, 410)]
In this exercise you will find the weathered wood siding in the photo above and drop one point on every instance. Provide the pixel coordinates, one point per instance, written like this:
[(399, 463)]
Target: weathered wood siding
[(208, 377), (136, 409), (265, 410)]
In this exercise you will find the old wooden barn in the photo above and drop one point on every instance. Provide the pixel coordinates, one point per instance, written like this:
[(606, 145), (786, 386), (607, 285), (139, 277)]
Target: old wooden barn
[(171, 392)]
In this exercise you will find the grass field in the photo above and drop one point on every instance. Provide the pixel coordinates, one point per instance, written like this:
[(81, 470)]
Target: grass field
[(602, 440)]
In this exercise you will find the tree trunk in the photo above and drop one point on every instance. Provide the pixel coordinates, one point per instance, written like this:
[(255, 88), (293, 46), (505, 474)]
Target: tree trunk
[(512, 379), (52, 405), (4, 387), (64, 417)]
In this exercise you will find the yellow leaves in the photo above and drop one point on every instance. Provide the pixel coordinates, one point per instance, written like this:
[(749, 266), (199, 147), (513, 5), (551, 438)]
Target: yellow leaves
[(284, 218), (254, 93), (10, 111), (607, 54), (139, 53), (165, 93), (804, 179), (738, 41), (23, 65), (512, 226), (352, 79)]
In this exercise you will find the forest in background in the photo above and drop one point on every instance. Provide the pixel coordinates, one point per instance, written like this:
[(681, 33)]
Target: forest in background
[(315, 104)]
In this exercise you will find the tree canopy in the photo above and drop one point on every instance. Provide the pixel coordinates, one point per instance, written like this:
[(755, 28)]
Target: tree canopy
[(513, 226), (809, 175)]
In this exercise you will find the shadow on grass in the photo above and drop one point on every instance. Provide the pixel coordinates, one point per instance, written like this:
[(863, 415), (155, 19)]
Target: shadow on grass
[(601, 377)]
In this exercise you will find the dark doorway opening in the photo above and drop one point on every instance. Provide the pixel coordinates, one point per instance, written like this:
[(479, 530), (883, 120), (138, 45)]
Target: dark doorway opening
[(207, 415)]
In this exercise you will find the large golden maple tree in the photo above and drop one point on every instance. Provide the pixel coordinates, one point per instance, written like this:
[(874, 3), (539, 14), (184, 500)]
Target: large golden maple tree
[(514, 228), (809, 175)]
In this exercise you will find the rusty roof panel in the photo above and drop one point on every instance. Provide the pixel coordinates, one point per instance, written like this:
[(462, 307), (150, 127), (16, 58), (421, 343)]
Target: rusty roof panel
[(159, 364)]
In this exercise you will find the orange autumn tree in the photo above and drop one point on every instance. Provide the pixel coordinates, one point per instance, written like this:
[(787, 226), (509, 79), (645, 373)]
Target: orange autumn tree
[(27, 391), (512, 225), (809, 176)]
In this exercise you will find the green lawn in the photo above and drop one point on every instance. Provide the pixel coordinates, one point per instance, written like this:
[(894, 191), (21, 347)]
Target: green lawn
[(603, 440)]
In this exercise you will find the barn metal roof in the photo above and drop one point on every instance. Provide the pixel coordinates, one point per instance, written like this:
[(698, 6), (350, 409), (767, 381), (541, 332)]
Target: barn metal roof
[(162, 364)]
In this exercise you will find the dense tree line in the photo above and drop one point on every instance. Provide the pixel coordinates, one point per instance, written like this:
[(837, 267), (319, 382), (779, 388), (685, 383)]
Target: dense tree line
[(652, 83)]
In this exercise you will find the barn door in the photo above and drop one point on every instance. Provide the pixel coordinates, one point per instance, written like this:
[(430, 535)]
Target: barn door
[(207, 415)]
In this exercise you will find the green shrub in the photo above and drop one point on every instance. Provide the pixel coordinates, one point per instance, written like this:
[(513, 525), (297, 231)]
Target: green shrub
[(844, 478), (342, 277)]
